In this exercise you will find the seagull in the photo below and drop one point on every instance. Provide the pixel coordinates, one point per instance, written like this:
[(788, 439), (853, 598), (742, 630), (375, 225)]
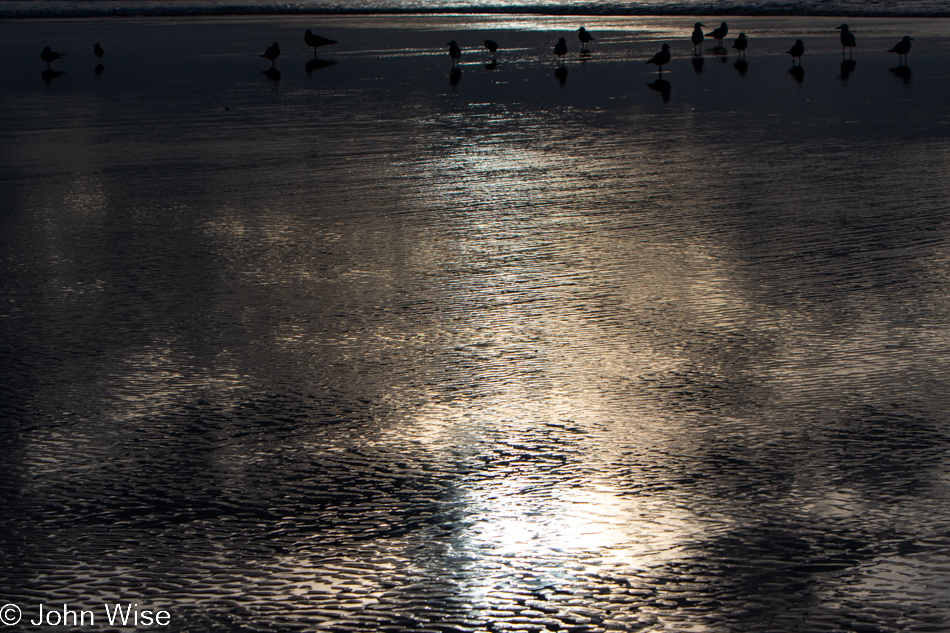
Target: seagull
[(663, 57), (697, 36), (847, 38), (718, 34), (560, 49), (49, 55), (796, 51), (315, 41), (272, 53), (902, 48), (98, 51), (492, 46), (454, 52), (584, 37), (741, 44)]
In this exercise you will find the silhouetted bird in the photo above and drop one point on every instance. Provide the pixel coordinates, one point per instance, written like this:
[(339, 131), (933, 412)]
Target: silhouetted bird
[(560, 49), (454, 52), (492, 46), (719, 34), (98, 51), (797, 49), (847, 38), (49, 56), (316, 41), (661, 58), (272, 53), (902, 48), (697, 37), (584, 37), (741, 44)]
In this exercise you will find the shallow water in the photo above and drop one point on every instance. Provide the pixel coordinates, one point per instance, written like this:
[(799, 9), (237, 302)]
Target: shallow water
[(359, 349)]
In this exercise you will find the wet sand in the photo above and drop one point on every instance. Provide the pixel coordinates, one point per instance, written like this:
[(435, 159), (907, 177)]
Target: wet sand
[(360, 349)]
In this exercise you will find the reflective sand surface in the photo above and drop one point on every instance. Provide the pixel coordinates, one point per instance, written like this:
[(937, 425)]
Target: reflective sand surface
[(359, 349)]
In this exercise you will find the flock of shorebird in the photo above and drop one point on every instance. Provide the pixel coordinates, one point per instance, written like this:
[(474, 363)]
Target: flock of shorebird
[(663, 57)]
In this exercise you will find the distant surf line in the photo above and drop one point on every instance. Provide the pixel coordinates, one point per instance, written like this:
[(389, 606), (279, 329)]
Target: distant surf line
[(143, 8)]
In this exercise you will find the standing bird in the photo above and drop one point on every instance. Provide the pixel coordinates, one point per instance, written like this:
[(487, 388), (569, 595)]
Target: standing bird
[(560, 49), (98, 51), (902, 48), (661, 58), (584, 37), (847, 38), (316, 41), (796, 51), (492, 46), (272, 53), (719, 34), (698, 37), (742, 43), (49, 56), (454, 52)]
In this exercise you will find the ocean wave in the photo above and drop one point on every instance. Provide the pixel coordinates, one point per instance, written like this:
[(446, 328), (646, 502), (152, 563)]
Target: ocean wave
[(171, 8)]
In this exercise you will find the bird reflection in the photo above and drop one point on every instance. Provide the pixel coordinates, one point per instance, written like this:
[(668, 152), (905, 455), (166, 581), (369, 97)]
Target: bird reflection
[(561, 73), (903, 72), (847, 67), (99, 69), (584, 56), (698, 63), (272, 74), (492, 65), (455, 76), (49, 74), (798, 73), (663, 87), (317, 64), (742, 67)]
